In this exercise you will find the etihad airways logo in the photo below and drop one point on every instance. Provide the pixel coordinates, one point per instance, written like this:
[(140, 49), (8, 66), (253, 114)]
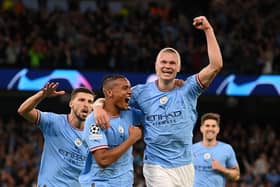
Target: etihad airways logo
[(164, 119)]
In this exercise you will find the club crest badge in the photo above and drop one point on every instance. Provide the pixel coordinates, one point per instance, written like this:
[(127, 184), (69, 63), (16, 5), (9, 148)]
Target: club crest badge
[(207, 156), (78, 142), (163, 100), (121, 129)]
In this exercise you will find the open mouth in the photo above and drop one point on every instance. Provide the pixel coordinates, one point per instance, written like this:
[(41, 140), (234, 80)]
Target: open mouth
[(85, 112), (127, 99)]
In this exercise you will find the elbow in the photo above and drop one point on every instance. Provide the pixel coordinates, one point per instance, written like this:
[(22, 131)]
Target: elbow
[(20, 111), (216, 67), (236, 178), (219, 67)]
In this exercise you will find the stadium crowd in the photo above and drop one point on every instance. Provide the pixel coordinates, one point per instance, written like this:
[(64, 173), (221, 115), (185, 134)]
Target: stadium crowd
[(123, 36), (127, 39)]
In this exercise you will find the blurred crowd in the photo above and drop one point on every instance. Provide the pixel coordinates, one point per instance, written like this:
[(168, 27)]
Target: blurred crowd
[(120, 35), (257, 147), (126, 36)]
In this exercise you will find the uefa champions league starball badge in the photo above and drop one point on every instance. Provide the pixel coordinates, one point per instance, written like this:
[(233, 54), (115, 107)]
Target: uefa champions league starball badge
[(163, 100), (207, 156), (78, 142)]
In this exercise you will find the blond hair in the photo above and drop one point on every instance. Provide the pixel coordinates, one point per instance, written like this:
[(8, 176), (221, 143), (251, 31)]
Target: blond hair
[(172, 50)]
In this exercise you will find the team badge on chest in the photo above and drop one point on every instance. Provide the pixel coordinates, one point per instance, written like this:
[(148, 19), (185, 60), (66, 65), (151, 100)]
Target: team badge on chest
[(163, 100), (78, 142), (207, 156), (121, 129)]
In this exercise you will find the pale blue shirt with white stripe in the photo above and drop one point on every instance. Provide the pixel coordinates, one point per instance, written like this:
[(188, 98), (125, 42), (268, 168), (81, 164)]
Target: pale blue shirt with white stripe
[(119, 173), (170, 117), (205, 176), (64, 154)]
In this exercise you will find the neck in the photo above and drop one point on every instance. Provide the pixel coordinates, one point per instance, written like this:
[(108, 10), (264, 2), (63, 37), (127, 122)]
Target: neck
[(209, 143), (75, 122), (111, 109), (165, 85)]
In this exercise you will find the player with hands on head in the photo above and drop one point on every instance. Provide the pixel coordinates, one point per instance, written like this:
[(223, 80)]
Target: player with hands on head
[(170, 113), (110, 159), (214, 160), (64, 154)]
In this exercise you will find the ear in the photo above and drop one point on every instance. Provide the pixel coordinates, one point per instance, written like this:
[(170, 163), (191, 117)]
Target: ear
[(70, 104), (218, 129), (109, 92), (201, 128)]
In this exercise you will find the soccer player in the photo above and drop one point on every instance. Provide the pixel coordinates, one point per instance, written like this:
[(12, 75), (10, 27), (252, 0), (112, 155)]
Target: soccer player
[(64, 154), (214, 161), (110, 160), (170, 113)]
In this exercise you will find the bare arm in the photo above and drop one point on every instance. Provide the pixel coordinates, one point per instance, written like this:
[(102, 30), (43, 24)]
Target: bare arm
[(208, 73), (231, 173), (28, 108), (105, 157)]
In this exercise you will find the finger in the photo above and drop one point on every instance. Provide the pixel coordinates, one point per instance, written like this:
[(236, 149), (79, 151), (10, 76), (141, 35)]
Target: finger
[(107, 125), (198, 23)]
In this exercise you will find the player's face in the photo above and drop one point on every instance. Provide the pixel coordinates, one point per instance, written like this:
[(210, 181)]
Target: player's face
[(81, 105), (167, 66), (121, 93), (210, 129)]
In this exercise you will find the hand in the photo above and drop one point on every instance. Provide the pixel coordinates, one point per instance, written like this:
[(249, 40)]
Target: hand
[(50, 90), (201, 23), (101, 117), (216, 165), (135, 133)]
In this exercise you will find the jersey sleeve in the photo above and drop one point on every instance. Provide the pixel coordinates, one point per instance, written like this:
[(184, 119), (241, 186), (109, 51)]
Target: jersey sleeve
[(47, 121), (193, 86), (93, 135), (231, 161)]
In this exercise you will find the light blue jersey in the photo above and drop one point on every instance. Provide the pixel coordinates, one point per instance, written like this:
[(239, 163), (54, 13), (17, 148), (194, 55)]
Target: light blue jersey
[(64, 155), (169, 121), (119, 173), (205, 176)]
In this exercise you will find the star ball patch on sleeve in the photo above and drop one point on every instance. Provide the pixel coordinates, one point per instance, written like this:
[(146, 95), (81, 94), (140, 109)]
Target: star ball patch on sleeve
[(95, 132)]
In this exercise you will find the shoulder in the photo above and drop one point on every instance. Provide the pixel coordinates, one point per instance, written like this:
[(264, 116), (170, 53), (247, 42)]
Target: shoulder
[(196, 145), (143, 86), (51, 116), (224, 145), (131, 111)]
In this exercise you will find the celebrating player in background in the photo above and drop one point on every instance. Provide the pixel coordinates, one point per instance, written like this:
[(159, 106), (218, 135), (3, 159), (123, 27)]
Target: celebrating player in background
[(170, 113), (64, 154), (110, 160), (214, 161)]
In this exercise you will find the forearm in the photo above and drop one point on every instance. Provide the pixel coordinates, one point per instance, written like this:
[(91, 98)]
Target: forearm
[(232, 173), (27, 108), (207, 74), (109, 156), (214, 52)]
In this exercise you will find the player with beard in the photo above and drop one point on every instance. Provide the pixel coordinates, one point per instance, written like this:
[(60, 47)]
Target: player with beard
[(64, 154)]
